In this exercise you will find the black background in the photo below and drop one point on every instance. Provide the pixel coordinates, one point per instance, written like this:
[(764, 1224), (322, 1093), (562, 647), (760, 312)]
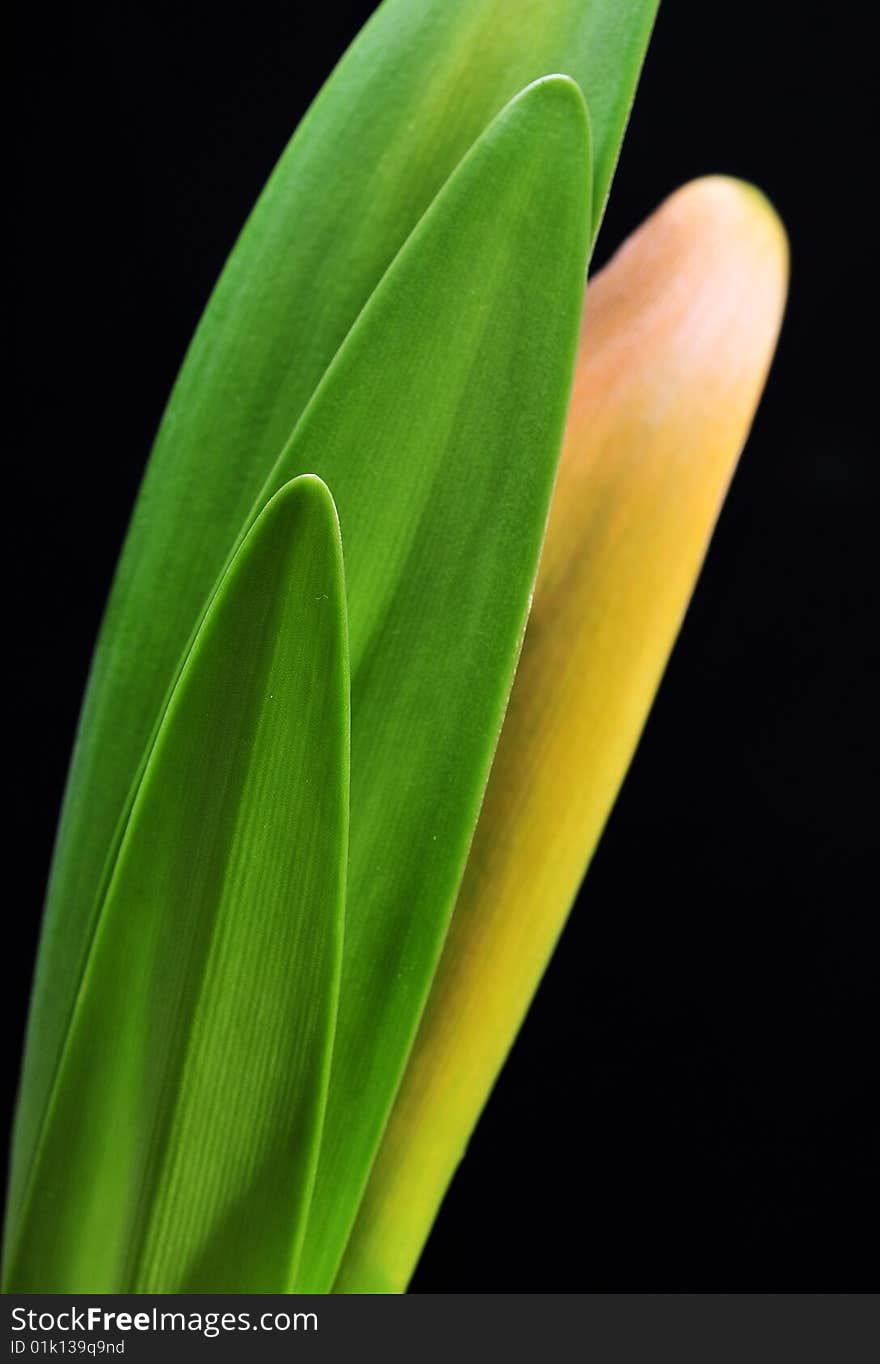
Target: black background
[(687, 1106)]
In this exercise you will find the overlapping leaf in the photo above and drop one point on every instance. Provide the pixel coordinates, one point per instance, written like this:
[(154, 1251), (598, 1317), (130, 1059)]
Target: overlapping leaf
[(677, 337), (404, 106), (181, 1146), (450, 394)]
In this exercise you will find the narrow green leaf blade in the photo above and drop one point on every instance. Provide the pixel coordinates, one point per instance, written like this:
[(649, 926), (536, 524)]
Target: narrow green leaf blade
[(450, 396), (179, 1152)]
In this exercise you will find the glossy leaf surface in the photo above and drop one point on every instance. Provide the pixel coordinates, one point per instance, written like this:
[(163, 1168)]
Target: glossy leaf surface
[(179, 1151), (449, 395)]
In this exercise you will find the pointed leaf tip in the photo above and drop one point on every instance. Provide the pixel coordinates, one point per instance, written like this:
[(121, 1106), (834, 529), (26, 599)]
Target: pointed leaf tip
[(453, 384), (180, 1145)]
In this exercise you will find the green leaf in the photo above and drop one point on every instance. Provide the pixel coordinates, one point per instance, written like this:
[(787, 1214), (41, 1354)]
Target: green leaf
[(450, 397), (404, 106), (179, 1152)]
